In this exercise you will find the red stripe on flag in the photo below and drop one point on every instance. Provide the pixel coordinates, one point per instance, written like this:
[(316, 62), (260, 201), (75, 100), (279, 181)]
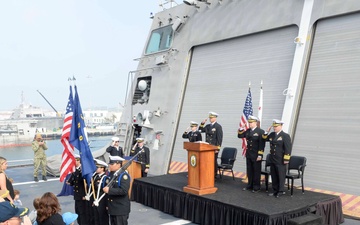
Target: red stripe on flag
[(67, 158)]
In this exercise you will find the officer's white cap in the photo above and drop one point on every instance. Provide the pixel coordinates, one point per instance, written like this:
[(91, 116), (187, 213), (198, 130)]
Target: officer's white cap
[(213, 114), (115, 159), (253, 119), (140, 140), (115, 139), (277, 123), (100, 163)]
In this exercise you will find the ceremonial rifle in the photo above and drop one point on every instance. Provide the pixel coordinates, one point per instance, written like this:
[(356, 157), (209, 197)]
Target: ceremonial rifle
[(117, 174)]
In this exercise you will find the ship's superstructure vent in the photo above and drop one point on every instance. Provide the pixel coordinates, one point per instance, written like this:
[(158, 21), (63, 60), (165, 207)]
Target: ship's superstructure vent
[(142, 90)]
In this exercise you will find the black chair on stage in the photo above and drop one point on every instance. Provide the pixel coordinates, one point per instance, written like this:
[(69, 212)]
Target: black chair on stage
[(228, 157), (295, 171), (266, 171)]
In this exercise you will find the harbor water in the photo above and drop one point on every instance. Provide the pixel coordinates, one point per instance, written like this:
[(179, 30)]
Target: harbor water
[(54, 148)]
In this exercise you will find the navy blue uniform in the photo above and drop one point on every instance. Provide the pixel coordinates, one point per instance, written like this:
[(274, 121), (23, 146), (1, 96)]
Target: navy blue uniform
[(280, 150), (118, 200), (193, 136), (81, 205), (254, 149)]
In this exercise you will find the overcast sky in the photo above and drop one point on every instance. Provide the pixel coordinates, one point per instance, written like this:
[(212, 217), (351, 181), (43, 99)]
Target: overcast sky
[(43, 42)]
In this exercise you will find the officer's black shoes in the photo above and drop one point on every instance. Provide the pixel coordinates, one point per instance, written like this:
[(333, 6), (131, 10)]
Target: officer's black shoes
[(255, 191), (36, 179), (278, 195), (246, 189), (272, 194), (44, 178)]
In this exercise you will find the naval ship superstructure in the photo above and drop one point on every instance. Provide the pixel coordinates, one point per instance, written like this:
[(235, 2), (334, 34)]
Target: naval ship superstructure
[(203, 55)]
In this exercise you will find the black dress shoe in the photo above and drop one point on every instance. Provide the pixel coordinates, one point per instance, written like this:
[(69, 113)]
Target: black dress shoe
[(36, 179), (246, 189), (272, 194), (278, 195), (255, 191)]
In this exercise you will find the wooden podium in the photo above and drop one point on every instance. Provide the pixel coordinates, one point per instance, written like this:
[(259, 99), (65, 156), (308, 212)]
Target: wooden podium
[(134, 171), (201, 162)]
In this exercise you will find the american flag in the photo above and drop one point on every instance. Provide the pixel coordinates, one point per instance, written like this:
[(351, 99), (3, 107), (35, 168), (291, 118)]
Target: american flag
[(78, 138), (68, 159), (247, 111)]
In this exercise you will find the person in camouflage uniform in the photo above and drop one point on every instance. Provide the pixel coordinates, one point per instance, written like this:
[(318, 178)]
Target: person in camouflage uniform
[(39, 147)]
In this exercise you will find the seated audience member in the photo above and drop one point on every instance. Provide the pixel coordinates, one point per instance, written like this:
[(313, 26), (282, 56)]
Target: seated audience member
[(10, 214), (48, 212), (69, 218), (33, 213), (17, 201)]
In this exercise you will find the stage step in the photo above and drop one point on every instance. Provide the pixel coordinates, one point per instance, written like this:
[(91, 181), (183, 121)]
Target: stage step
[(308, 219)]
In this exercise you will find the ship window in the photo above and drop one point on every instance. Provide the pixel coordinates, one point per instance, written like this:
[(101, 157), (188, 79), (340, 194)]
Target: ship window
[(160, 40)]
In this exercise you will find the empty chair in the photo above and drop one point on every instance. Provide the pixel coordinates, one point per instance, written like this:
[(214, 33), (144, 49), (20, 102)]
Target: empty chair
[(266, 171), (228, 157), (296, 170)]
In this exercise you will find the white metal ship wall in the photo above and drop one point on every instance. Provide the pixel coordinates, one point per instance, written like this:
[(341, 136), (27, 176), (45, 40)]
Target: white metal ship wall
[(231, 22), (328, 127), (219, 81)]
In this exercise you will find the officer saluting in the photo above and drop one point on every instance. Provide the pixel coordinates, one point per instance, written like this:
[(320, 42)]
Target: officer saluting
[(193, 135), (118, 197), (214, 134), (254, 152), (143, 157), (280, 151)]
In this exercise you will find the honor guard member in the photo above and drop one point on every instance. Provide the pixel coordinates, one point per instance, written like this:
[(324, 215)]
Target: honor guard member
[(100, 202), (114, 149), (79, 183), (280, 151), (118, 196), (192, 133), (214, 134), (254, 152), (143, 157), (39, 147)]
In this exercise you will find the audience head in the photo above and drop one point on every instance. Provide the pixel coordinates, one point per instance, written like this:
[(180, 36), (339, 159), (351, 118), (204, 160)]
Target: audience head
[(69, 218), (48, 206), (11, 214), (3, 164), (36, 203)]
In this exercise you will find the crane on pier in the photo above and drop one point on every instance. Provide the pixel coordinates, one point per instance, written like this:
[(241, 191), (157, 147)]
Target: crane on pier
[(57, 114)]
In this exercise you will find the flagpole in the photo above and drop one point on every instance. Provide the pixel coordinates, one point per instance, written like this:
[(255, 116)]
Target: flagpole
[(260, 112)]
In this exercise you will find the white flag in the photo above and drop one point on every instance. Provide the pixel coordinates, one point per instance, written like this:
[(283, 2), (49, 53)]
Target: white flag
[(260, 112)]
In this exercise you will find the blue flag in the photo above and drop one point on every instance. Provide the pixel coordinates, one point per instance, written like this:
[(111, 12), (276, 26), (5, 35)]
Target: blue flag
[(78, 138)]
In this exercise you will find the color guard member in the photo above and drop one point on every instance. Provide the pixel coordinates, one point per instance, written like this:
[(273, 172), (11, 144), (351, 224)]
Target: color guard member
[(79, 183), (100, 205), (118, 196)]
